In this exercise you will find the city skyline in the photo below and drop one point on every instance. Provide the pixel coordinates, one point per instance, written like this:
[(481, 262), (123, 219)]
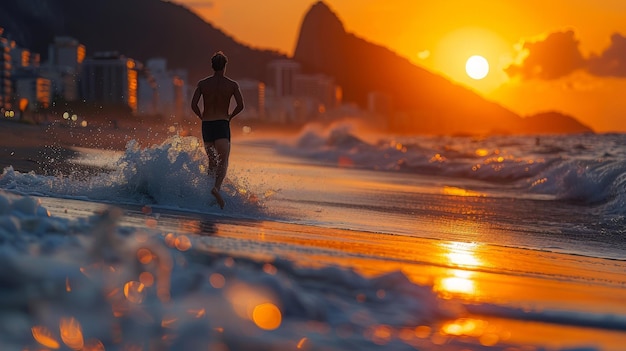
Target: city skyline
[(150, 88)]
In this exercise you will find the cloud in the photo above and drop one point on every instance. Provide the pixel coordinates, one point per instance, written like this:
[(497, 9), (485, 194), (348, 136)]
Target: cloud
[(612, 62), (556, 56)]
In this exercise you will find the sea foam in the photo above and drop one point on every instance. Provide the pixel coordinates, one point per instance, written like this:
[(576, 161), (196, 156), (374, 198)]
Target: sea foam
[(172, 174), (88, 283), (589, 168)]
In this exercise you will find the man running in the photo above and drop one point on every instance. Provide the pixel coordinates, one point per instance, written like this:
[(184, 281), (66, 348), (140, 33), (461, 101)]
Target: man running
[(216, 92)]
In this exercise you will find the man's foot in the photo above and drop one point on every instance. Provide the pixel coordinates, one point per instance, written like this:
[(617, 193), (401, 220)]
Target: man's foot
[(218, 197)]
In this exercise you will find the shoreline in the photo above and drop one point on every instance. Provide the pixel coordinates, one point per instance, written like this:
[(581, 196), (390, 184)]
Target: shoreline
[(46, 148)]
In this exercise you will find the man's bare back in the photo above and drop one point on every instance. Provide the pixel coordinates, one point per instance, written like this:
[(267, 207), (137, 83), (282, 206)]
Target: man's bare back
[(216, 92)]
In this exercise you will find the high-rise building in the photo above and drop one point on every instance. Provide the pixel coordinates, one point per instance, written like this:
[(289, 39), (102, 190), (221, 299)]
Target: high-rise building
[(163, 91), (6, 86), (65, 58), (281, 76), (109, 78), (380, 104), (254, 98), (317, 87), (66, 53), (32, 91)]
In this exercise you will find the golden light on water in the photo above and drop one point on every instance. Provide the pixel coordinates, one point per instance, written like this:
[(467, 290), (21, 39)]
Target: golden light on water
[(267, 316), (460, 281), (481, 152), (44, 336), (464, 326), (457, 284), (455, 191), (71, 333), (461, 254), (487, 334)]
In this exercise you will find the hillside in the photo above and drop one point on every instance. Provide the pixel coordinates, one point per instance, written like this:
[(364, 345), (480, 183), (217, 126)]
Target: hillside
[(426, 102), (140, 29)]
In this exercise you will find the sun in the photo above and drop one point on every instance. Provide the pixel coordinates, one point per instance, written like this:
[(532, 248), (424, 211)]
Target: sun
[(477, 67)]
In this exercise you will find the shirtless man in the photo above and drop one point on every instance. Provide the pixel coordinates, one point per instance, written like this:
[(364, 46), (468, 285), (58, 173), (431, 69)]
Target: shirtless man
[(216, 92)]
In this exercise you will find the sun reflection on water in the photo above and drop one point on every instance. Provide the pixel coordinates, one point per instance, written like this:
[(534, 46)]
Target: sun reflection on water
[(455, 191), (459, 281)]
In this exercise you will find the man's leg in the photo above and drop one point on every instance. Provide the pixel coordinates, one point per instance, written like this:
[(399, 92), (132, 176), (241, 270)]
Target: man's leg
[(222, 149), (209, 147)]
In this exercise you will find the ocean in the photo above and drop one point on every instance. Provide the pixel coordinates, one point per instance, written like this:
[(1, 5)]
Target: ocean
[(331, 239)]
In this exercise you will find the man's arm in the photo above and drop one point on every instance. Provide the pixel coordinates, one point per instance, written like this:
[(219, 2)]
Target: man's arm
[(194, 102), (238, 100)]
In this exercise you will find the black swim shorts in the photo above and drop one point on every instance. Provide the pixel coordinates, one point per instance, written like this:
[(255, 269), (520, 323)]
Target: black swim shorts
[(213, 130)]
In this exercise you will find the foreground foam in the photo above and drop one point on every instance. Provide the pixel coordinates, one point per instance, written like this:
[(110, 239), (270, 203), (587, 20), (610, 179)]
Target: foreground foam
[(102, 286)]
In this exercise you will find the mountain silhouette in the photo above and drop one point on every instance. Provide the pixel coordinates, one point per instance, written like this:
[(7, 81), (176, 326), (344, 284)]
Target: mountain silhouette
[(428, 103)]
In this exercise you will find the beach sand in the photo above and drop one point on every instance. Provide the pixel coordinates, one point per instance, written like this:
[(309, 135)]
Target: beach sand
[(480, 277)]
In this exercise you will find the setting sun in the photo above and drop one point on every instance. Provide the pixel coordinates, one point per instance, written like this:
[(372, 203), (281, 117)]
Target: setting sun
[(477, 67)]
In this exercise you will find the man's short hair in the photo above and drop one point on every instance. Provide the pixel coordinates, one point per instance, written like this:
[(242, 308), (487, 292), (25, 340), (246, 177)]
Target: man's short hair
[(218, 61)]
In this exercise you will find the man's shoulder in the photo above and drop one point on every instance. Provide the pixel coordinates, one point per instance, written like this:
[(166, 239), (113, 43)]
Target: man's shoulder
[(204, 80), (232, 81)]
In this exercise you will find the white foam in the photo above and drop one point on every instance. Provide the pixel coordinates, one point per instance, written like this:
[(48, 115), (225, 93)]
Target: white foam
[(586, 168), (84, 276), (172, 174)]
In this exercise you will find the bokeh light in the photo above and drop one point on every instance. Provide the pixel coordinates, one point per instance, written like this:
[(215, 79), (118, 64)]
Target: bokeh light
[(267, 316)]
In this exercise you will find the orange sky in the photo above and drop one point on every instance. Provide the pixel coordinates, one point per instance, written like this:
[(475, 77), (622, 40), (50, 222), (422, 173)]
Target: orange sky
[(573, 62)]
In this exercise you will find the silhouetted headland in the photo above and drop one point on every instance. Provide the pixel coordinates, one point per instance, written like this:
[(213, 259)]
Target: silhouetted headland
[(423, 101)]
